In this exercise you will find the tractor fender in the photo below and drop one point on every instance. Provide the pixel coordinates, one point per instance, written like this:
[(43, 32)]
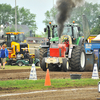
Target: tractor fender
[(70, 50), (80, 41), (23, 61)]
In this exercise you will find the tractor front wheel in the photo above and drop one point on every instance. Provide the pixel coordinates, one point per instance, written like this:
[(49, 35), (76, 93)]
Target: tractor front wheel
[(65, 65), (43, 53), (43, 65)]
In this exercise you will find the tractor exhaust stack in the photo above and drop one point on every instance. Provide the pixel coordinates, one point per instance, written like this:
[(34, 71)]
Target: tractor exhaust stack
[(59, 40)]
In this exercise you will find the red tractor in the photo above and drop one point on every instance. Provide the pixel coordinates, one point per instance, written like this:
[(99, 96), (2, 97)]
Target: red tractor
[(58, 56), (61, 54)]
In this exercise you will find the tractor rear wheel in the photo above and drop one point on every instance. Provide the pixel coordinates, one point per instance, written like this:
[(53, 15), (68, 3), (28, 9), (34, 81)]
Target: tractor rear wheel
[(43, 64), (43, 53), (78, 59)]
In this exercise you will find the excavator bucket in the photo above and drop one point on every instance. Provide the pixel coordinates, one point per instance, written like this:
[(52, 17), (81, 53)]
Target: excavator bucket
[(86, 29)]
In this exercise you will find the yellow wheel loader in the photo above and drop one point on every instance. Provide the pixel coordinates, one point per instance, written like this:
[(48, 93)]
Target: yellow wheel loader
[(16, 40)]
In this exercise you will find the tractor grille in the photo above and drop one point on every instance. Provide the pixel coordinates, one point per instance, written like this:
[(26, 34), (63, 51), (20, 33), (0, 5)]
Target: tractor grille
[(22, 45)]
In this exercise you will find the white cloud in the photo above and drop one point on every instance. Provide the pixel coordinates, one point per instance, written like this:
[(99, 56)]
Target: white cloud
[(93, 1)]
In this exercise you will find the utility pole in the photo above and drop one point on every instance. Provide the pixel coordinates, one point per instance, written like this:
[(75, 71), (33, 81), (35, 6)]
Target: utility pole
[(15, 17), (54, 14)]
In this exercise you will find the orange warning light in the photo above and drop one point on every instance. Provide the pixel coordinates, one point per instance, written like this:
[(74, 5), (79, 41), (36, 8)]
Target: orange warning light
[(49, 22), (73, 22)]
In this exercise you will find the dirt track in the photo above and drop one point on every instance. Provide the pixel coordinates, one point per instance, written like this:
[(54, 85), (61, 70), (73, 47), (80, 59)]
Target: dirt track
[(60, 94), (57, 95), (24, 74)]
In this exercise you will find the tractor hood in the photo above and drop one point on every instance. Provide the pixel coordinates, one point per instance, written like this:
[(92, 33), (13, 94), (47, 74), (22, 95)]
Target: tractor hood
[(54, 39)]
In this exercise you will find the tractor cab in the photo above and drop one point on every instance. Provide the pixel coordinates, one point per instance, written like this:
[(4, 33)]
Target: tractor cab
[(15, 40), (15, 37), (73, 30)]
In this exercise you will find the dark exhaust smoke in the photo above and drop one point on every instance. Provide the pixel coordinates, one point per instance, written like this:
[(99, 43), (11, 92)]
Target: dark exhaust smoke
[(65, 8)]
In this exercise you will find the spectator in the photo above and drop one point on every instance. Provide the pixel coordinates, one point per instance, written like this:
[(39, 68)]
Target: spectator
[(18, 55), (26, 53), (0, 57), (4, 55)]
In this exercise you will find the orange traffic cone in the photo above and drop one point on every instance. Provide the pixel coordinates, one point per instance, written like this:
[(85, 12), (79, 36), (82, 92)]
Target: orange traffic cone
[(47, 79)]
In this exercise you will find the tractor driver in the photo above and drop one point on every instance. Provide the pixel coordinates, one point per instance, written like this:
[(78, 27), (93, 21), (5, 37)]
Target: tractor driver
[(66, 42)]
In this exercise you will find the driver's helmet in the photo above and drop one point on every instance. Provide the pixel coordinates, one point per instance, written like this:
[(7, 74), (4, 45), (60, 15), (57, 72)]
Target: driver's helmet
[(66, 38)]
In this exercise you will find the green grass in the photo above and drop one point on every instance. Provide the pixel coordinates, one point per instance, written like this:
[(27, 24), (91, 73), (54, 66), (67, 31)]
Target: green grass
[(39, 84), (9, 67)]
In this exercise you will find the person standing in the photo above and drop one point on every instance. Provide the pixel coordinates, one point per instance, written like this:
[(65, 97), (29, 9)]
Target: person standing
[(17, 54), (0, 57), (4, 55), (26, 53)]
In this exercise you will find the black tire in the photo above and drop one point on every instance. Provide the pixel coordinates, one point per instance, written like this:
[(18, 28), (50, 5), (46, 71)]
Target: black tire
[(9, 62), (43, 64), (54, 67), (37, 53), (78, 59), (30, 60), (20, 63), (37, 64), (43, 53), (64, 65)]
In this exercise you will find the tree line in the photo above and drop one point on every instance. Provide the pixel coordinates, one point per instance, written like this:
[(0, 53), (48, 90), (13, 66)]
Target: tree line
[(24, 17), (92, 12)]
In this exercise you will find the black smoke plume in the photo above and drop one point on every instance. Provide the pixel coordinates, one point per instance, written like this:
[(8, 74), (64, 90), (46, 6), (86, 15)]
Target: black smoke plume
[(65, 8)]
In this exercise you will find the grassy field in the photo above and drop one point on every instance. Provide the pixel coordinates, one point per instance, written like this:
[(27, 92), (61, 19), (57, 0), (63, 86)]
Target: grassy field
[(39, 84), (9, 67)]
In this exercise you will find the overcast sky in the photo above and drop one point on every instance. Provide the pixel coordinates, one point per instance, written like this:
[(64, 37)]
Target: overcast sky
[(38, 7)]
